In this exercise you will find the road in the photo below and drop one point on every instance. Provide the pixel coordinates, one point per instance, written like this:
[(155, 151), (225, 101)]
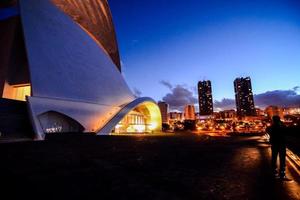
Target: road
[(141, 167)]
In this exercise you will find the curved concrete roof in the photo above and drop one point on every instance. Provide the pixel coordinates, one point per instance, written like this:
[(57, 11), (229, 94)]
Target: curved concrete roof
[(65, 62), (95, 17)]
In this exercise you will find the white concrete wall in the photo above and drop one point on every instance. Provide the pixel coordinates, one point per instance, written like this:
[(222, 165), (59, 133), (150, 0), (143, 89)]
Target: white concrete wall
[(65, 62)]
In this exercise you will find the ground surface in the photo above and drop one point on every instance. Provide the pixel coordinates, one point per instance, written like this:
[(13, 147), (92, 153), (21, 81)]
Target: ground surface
[(171, 167)]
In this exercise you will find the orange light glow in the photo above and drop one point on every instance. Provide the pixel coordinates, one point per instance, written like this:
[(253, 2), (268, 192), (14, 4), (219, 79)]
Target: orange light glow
[(16, 92), (145, 118)]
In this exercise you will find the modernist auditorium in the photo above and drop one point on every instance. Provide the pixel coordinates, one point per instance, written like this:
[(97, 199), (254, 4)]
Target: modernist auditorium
[(60, 72)]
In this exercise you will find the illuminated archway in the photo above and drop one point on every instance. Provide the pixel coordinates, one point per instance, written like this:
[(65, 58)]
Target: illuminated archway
[(140, 116)]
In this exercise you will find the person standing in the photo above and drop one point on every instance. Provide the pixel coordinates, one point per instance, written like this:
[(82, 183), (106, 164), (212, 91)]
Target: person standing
[(278, 146)]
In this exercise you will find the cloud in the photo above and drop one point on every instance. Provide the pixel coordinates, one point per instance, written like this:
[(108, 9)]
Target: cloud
[(137, 92), (167, 84), (282, 98), (179, 96), (224, 104), (296, 88)]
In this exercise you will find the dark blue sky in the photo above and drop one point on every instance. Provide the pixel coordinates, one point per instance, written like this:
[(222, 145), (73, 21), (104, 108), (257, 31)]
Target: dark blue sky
[(185, 41)]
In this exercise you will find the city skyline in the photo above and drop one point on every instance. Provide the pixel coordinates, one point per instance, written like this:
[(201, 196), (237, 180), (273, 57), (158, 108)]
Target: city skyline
[(214, 41)]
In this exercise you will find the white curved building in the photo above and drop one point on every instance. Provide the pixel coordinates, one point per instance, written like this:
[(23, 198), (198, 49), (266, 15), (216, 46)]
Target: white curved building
[(62, 58)]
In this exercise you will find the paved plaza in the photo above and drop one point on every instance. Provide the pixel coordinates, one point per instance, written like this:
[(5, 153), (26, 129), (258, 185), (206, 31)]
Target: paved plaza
[(143, 167)]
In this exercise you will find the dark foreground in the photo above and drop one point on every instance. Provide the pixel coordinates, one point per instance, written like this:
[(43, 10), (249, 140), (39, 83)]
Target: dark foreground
[(171, 167)]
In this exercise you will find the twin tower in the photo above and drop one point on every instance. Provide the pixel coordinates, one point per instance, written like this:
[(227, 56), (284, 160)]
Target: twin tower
[(61, 59)]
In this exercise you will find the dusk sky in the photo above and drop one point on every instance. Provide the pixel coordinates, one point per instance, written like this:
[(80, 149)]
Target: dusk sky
[(181, 42)]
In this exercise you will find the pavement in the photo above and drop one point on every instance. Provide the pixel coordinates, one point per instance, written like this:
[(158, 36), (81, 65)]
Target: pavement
[(140, 167)]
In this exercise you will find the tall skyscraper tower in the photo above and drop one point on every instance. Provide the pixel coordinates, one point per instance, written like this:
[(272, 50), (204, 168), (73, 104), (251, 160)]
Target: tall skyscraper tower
[(164, 109), (244, 97), (205, 98), (189, 112)]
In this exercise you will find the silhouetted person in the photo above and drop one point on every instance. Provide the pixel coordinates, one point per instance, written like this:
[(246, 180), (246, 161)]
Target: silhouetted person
[(278, 145)]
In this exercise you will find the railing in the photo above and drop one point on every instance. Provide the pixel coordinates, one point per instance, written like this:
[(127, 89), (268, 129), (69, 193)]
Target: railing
[(292, 158)]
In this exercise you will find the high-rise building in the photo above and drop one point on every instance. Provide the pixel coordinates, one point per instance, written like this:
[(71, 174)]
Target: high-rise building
[(244, 97), (164, 109), (205, 98), (189, 112)]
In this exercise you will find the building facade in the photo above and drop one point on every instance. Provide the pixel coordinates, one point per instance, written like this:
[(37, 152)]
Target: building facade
[(189, 112), (259, 112), (228, 114), (292, 111), (60, 59), (274, 111), (175, 116), (164, 110), (205, 98), (244, 97)]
